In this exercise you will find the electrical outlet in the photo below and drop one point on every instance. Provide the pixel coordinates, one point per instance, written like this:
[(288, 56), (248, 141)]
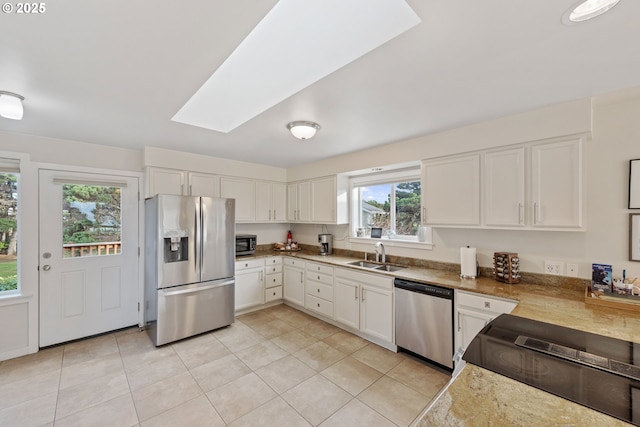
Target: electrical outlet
[(572, 269), (554, 267)]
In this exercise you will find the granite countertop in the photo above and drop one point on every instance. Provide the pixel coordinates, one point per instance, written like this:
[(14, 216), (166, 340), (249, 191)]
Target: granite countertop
[(478, 397)]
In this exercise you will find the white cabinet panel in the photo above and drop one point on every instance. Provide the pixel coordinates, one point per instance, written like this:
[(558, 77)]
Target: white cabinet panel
[(249, 288), (504, 188), (323, 200), (347, 302), (473, 312), (271, 202), (243, 190), (376, 312), (365, 302), (556, 184), (452, 190), (203, 184), (164, 181), (294, 281)]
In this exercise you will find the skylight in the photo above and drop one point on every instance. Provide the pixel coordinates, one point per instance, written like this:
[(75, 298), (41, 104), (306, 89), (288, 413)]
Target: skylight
[(296, 44)]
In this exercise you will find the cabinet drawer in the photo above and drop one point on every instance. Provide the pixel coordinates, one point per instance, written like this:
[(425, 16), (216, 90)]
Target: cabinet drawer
[(327, 279), (379, 280), (250, 263), (272, 260), (294, 262), (319, 268), (275, 268), (319, 305), (320, 290), (273, 294), (271, 280), (484, 302)]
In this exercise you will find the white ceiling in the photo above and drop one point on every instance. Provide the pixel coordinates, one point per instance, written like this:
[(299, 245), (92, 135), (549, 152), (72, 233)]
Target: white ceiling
[(115, 73)]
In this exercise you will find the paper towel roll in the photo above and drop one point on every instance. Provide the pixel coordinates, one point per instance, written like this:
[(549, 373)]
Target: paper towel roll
[(468, 262)]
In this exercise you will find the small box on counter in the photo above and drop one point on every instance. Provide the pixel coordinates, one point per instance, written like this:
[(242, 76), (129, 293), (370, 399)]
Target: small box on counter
[(601, 279)]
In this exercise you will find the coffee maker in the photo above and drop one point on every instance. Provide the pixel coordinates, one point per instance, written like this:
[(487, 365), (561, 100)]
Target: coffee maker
[(325, 241)]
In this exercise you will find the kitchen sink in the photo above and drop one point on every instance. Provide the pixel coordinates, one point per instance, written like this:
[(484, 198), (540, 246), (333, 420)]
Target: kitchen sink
[(373, 266), (364, 264), (388, 268)]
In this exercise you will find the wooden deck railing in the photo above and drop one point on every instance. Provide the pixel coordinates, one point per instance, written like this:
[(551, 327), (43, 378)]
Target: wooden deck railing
[(71, 250)]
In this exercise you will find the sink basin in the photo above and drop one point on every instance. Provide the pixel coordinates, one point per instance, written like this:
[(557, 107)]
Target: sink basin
[(364, 264), (373, 266), (388, 268)]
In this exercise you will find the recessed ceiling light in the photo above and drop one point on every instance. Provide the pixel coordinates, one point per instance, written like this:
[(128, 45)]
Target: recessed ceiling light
[(587, 9)]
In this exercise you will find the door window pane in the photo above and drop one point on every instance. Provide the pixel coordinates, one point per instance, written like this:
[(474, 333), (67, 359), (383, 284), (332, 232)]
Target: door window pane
[(90, 220), (8, 232)]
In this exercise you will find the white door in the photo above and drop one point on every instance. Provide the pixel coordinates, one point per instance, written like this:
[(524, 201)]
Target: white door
[(88, 254)]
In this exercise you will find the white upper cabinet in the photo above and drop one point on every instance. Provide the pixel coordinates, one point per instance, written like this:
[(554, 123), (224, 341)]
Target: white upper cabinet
[(203, 184), (271, 202), (329, 200), (164, 181), (321, 200), (451, 191), (181, 183), (556, 184), (243, 190), (537, 185), (304, 201), (504, 188)]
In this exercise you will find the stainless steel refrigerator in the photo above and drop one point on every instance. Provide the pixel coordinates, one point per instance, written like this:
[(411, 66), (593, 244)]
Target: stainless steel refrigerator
[(189, 266)]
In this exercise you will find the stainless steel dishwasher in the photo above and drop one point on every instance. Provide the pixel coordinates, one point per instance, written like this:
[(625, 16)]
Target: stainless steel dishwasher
[(424, 321)]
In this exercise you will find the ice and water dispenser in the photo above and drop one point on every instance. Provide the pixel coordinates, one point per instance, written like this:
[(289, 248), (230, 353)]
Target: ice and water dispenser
[(176, 246)]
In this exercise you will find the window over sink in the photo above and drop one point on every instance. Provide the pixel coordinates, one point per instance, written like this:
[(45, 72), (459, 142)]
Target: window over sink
[(387, 200)]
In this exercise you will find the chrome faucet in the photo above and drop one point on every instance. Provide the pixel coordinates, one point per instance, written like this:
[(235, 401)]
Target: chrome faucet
[(381, 246)]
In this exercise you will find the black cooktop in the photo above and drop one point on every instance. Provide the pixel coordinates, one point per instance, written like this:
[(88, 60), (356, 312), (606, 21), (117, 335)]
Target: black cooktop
[(599, 372)]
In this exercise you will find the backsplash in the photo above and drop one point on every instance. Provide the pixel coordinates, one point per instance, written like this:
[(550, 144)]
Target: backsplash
[(541, 279)]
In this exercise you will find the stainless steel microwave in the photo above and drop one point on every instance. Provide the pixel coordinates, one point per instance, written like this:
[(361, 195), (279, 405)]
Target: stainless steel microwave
[(246, 244)]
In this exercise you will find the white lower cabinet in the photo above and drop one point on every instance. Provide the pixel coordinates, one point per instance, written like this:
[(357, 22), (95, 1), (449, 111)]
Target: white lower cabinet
[(319, 288), (474, 312), (272, 278), (293, 273), (249, 283), (364, 302)]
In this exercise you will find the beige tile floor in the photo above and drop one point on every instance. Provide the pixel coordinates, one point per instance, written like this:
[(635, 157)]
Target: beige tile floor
[(274, 367)]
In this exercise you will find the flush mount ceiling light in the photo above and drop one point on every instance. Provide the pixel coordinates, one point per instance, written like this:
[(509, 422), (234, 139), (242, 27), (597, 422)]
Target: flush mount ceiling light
[(11, 105), (296, 44), (588, 9), (302, 129)]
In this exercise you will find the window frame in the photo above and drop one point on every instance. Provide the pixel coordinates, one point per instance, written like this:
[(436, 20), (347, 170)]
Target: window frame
[(9, 165), (391, 178)]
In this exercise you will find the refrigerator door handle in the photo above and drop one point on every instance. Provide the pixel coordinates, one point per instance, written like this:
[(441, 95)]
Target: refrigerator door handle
[(199, 289), (198, 239)]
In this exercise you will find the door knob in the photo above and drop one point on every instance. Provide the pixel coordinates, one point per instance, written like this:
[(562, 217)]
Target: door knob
[(46, 267)]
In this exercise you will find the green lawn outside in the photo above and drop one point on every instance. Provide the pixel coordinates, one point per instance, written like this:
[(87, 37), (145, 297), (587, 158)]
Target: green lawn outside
[(8, 275)]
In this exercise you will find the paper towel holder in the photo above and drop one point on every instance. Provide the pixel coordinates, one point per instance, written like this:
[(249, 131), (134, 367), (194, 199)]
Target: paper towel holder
[(476, 270)]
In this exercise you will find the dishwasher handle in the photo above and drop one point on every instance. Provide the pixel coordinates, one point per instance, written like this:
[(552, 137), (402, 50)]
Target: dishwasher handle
[(424, 288)]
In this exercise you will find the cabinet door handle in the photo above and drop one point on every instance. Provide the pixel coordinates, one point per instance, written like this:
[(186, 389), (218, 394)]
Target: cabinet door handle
[(274, 214), (520, 208), (362, 293), (190, 190), (356, 289), (459, 324), (318, 290), (301, 278)]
